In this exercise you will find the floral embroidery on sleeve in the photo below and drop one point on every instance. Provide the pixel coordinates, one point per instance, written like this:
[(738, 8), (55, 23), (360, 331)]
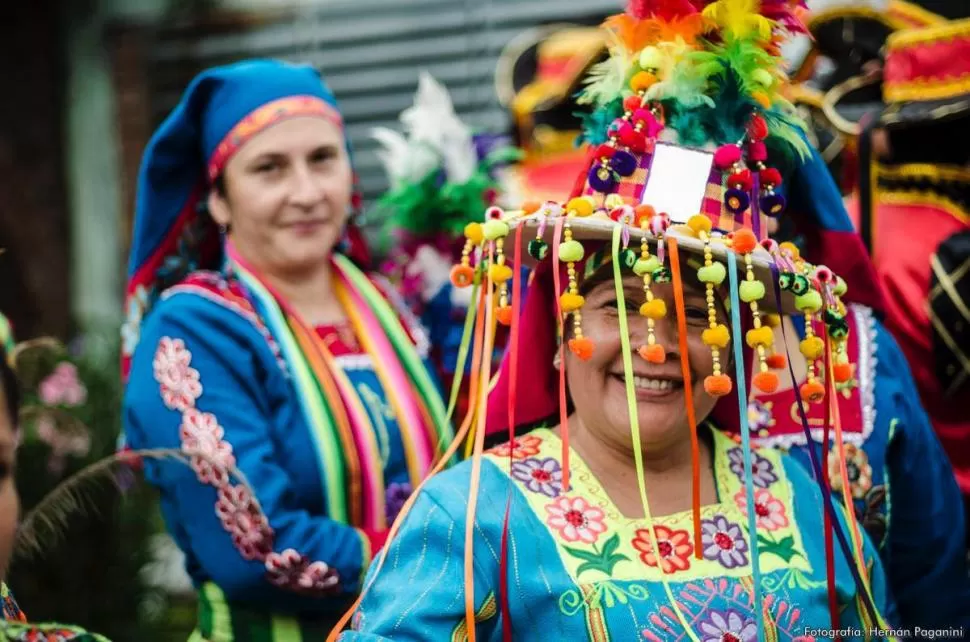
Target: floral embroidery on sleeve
[(211, 457), (539, 475), (857, 468)]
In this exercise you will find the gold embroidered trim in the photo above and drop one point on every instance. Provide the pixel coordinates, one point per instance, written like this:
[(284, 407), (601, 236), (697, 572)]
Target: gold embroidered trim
[(819, 18), (913, 15), (926, 89), (947, 30), (919, 198), (938, 173)]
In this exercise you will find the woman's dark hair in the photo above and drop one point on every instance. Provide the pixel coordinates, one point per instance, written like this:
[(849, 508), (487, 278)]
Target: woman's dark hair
[(11, 387)]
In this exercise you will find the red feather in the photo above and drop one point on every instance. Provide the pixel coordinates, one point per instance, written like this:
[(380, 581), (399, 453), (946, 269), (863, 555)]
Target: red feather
[(663, 9)]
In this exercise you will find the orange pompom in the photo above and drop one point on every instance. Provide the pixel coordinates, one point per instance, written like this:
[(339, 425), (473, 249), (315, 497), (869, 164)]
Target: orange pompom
[(812, 391), (581, 347), (462, 276), (653, 353), (642, 81), (766, 382), (744, 241), (718, 385), (842, 371), (776, 361), (531, 207), (643, 214), (504, 315)]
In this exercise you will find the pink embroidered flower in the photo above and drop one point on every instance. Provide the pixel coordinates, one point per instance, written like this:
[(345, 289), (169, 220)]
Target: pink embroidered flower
[(520, 447), (575, 519), (202, 440), (245, 522), (63, 387), (770, 511), (178, 381), (291, 570), (675, 548)]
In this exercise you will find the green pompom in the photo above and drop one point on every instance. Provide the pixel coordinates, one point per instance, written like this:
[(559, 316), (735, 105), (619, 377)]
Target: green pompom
[(571, 252), (751, 291), (648, 266), (811, 301), (713, 273), (495, 230)]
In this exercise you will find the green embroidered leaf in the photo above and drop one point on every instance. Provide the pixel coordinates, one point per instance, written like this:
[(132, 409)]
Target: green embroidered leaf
[(583, 555), (587, 566), (784, 548), (611, 545)]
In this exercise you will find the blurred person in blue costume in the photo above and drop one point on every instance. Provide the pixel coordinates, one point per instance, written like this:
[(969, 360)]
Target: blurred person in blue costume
[(616, 511), (442, 176), (256, 339)]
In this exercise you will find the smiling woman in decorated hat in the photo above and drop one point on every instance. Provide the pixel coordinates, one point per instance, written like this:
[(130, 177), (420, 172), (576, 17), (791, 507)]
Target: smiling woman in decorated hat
[(256, 339), (618, 511)]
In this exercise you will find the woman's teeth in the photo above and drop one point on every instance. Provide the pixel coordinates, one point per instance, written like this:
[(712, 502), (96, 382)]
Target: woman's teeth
[(657, 385)]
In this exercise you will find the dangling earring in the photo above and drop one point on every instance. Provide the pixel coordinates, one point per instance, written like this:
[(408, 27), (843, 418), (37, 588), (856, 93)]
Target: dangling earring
[(557, 361)]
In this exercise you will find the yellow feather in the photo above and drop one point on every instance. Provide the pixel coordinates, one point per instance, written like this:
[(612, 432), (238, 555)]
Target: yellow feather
[(739, 19)]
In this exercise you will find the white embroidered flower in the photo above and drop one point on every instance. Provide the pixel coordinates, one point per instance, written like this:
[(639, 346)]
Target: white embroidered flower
[(202, 440), (245, 522), (291, 570)]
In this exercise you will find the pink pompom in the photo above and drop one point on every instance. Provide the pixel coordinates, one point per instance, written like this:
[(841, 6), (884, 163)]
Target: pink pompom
[(823, 274), (726, 156)]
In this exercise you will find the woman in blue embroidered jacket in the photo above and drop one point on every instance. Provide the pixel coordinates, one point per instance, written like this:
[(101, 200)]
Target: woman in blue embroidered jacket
[(900, 481), (266, 347), (630, 518)]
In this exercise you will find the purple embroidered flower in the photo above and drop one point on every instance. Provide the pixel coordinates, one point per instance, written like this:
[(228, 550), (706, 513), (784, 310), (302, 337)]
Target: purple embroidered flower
[(762, 472), (539, 475), (728, 626), (394, 498), (723, 541), (759, 416)]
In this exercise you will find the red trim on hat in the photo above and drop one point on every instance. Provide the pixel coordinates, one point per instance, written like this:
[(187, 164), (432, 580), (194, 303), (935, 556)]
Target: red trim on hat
[(266, 116), (928, 64)]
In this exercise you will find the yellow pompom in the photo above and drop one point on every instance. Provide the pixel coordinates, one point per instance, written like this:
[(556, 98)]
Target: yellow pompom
[(812, 347), (580, 206), (772, 320), (699, 223), (499, 273), (791, 248), (473, 232), (716, 337), (571, 302), (655, 309), (762, 336)]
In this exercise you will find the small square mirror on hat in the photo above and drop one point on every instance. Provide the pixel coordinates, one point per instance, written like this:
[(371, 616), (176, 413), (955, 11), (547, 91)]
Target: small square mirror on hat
[(677, 182)]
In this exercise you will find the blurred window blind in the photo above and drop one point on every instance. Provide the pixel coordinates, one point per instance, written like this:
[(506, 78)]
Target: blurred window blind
[(371, 52)]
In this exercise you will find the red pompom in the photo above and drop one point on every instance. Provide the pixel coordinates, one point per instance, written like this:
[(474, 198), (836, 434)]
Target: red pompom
[(605, 151), (770, 176), (632, 103), (741, 180), (758, 128), (757, 152)]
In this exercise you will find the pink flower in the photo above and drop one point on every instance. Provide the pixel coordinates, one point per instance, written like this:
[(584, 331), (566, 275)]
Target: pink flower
[(291, 570), (69, 442), (63, 387), (575, 519), (770, 511), (202, 440), (245, 522), (178, 381)]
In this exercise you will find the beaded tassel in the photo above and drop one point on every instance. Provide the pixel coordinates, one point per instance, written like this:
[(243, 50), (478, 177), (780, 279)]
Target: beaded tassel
[(495, 230), (462, 275), (812, 347), (572, 252), (653, 309), (759, 338), (835, 322), (716, 336)]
